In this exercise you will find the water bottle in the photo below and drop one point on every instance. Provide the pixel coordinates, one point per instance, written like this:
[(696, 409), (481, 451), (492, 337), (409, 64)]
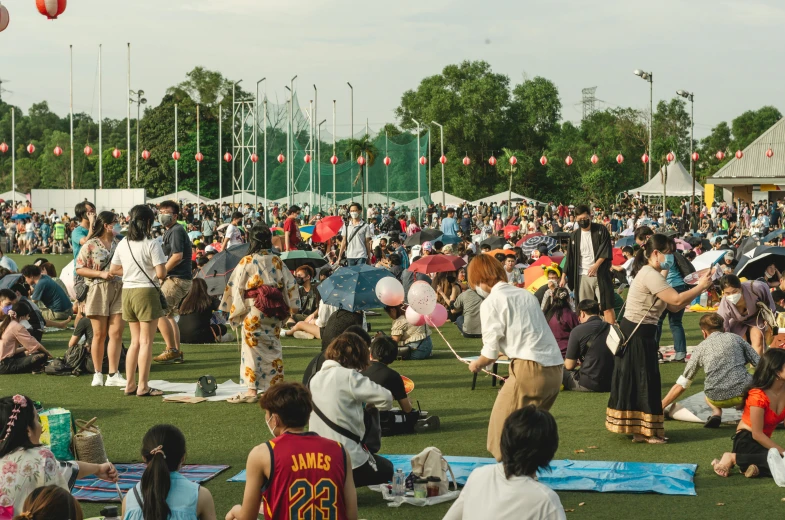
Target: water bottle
[(399, 484)]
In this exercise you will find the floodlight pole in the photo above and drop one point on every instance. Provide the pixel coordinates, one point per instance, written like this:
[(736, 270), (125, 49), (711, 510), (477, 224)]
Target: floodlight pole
[(335, 200), (13, 154), (176, 171), (441, 134), (314, 115), (264, 158), (387, 167), (71, 109), (319, 164), (291, 140), (198, 163), (311, 124), (128, 124), (220, 158), (256, 151), (100, 125), (417, 158), (351, 132)]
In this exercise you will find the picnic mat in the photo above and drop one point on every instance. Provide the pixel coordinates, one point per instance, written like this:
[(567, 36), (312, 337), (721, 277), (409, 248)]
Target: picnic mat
[(96, 490), (579, 475), (224, 391), (695, 409)]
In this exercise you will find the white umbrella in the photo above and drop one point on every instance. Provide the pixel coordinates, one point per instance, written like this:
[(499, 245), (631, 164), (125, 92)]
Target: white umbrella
[(707, 259), (627, 232), (67, 277)]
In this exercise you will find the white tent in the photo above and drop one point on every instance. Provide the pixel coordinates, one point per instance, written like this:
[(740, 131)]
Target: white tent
[(449, 200), (499, 197), (678, 183), (181, 196), (246, 197), (13, 195)]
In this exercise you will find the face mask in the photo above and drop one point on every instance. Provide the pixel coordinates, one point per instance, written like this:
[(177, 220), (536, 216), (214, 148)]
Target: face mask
[(733, 298), (267, 422), (165, 219), (354, 214), (584, 223), (300, 281), (7, 308), (482, 292), (452, 278), (668, 263)]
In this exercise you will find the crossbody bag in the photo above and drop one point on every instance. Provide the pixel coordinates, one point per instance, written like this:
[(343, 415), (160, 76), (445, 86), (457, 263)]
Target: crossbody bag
[(351, 237), (616, 342), (161, 296), (80, 286)]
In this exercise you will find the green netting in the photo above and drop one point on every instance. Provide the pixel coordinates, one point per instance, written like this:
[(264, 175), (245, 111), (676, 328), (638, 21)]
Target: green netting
[(315, 179)]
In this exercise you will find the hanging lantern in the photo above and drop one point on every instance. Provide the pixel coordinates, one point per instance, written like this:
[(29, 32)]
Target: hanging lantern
[(443, 159), (30, 148), (467, 161), (50, 8), (568, 161), (739, 154), (620, 158), (695, 156), (513, 160), (3, 148), (361, 160), (199, 157), (492, 160), (769, 153), (386, 161), (644, 158), (57, 151), (228, 157), (281, 158), (116, 153), (334, 160), (176, 155), (4, 19), (254, 158), (145, 155), (720, 155), (88, 151), (543, 160), (307, 158), (423, 160), (594, 159), (670, 157)]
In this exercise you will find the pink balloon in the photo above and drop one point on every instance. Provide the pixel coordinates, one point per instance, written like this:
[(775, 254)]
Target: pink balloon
[(438, 317), (422, 297), (389, 291), (414, 317)]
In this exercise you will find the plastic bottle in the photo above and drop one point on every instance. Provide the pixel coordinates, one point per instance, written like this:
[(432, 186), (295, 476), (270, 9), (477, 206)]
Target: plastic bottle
[(399, 483)]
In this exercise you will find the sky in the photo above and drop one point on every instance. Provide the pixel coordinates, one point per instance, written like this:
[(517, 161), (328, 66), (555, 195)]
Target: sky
[(726, 52)]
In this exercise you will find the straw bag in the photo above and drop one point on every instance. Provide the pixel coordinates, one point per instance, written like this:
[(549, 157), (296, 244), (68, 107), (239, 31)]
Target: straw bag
[(89, 443)]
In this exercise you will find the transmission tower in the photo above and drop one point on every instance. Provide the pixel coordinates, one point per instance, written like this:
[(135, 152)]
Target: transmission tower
[(589, 101), (243, 130)]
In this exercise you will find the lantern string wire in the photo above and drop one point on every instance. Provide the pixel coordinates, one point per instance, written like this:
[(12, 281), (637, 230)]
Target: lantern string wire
[(466, 361)]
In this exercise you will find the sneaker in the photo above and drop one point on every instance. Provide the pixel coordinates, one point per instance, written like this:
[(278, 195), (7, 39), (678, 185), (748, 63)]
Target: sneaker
[(432, 423), (116, 380), (169, 356), (98, 379)]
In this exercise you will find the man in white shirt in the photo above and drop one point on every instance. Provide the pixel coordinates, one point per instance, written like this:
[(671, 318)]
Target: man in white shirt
[(356, 241), (232, 235)]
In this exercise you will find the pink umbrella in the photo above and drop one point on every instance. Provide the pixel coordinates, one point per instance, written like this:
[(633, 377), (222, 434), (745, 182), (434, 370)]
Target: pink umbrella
[(681, 245)]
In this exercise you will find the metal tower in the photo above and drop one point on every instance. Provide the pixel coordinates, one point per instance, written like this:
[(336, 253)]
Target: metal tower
[(589, 101), (243, 146)]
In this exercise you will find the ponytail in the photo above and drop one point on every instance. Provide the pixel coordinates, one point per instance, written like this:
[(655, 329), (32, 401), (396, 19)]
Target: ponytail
[(163, 449), (656, 242), (18, 310)]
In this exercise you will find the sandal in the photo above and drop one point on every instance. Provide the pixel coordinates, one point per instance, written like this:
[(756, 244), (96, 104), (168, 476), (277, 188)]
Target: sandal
[(719, 469), (650, 440), (243, 399), (752, 471), (132, 392), (713, 422), (152, 392)]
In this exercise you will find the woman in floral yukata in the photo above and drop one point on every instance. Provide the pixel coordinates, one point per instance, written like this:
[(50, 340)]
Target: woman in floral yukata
[(260, 294)]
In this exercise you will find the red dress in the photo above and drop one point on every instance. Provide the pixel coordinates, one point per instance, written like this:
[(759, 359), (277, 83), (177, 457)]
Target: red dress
[(307, 478), (758, 397)]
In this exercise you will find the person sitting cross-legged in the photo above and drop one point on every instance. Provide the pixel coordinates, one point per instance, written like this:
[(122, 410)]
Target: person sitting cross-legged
[(587, 345), (724, 357)]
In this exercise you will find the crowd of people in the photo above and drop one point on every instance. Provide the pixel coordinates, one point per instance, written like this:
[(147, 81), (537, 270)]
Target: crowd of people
[(144, 269)]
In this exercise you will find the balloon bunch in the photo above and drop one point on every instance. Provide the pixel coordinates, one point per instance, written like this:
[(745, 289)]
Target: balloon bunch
[(422, 309)]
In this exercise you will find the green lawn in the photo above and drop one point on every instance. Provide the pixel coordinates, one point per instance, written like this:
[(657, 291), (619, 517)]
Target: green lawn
[(220, 433)]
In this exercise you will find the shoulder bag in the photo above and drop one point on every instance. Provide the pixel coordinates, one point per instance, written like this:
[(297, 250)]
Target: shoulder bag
[(161, 296), (351, 237), (616, 342), (371, 442), (80, 287)]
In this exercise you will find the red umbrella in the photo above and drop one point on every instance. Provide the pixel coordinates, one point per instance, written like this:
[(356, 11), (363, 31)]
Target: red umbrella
[(527, 237), (547, 260), (326, 228), (618, 258), (436, 264), (509, 230)]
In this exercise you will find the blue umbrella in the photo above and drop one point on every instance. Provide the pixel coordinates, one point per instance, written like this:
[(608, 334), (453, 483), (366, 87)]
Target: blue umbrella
[(450, 239), (626, 241), (307, 229), (20, 216), (774, 234), (353, 288), (193, 235)]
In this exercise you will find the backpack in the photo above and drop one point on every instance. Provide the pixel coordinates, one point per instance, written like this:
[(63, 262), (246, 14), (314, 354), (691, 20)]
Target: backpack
[(430, 463), (73, 363)]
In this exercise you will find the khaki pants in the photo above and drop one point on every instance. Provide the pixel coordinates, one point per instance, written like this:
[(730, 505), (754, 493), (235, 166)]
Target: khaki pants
[(589, 289), (528, 383)]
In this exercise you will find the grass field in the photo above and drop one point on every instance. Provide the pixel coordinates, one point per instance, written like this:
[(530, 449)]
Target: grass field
[(220, 433)]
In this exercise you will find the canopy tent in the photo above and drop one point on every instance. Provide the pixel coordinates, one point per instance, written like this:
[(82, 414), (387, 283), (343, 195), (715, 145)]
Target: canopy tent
[(181, 196), (503, 196), (14, 195), (449, 200), (245, 197), (370, 198), (678, 183)]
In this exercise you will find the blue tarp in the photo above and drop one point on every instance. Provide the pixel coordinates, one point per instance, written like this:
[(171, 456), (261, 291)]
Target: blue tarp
[(579, 475)]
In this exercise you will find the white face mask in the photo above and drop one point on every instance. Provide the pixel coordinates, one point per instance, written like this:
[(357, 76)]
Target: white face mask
[(272, 430), (482, 292), (354, 214), (733, 298)]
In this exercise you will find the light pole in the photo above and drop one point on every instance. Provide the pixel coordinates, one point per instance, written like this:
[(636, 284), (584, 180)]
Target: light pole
[(351, 131), (441, 134), (127, 123), (318, 158), (234, 148), (691, 97), (291, 140), (289, 187), (648, 76), (139, 102), (256, 151), (417, 158)]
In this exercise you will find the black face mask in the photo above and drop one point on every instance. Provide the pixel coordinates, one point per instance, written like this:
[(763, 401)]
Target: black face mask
[(584, 223), (300, 281), (452, 278)]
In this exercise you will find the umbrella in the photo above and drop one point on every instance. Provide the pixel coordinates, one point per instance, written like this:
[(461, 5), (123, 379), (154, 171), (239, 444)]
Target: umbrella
[(536, 284), (509, 230), (560, 235), (305, 236), (222, 227), (307, 229), (507, 252), (707, 259), (694, 241), (527, 237), (547, 260), (627, 233), (494, 242), (426, 235), (773, 235), (449, 239), (219, 269), (20, 216), (193, 235), (326, 228), (353, 288), (753, 264), (436, 264), (533, 243), (295, 259), (618, 258), (626, 241), (682, 245), (748, 244), (277, 231), (533, 273)]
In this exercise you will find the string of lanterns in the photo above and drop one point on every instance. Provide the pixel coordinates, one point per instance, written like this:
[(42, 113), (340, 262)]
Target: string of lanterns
[(49, 8)]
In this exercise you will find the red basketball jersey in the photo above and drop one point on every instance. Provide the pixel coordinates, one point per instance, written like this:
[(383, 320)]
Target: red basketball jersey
[(307, 478)]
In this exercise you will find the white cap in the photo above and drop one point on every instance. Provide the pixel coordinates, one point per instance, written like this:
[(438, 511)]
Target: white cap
[(507, 246), (210, 249)]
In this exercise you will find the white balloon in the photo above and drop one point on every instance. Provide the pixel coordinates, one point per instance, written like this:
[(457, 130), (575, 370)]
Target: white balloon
[(422, 298), (414, 318), (389, 291)]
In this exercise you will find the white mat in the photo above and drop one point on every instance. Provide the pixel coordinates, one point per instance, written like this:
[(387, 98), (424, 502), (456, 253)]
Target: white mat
[(695, 409), (225, 390)]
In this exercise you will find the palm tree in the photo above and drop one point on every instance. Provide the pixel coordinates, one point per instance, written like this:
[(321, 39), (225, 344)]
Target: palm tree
[(362, 147)]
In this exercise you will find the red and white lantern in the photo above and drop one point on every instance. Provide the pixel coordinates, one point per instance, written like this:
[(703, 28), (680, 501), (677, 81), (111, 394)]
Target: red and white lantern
[(145, 155), (695, 156), (4, 19), (254, 158), (51, 8), (88, 151), (720, 155), (361, 160), (227, 157), (30, 148), (739, 154), (769, 153), (594, 159), (3, 148), (644, 158), (423, 160), (620, 158), (543, 160), (513, 160), (334, 160), (199, 157), (467, 161), (386, 161), (176, 155), (281, 158), (443, 159), (307, 158), (116, 153), (57, 151), (492, 160), (568, 161), (670, 157)]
